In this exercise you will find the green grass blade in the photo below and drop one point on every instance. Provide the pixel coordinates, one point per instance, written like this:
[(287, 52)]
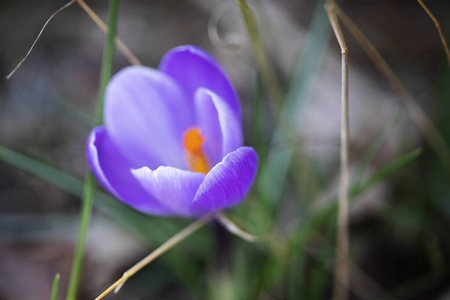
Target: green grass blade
[(134, 222), (375, 146), (73, 112), (89, 187), (86, 210), (262, 62), (323, 264), (55, 287), (384, 172), (414, 287), (42, 170), (308, 229), (299, 92), (257, 119), (309, 62)]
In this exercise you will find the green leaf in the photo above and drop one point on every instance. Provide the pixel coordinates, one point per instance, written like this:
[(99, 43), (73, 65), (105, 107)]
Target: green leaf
[(302, 83), (150, 230)]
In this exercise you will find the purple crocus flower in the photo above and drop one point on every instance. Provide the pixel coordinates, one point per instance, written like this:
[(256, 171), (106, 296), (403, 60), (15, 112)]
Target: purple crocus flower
[(172, 139)]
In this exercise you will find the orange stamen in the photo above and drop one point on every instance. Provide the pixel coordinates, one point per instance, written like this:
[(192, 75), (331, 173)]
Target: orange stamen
[(193, 142)]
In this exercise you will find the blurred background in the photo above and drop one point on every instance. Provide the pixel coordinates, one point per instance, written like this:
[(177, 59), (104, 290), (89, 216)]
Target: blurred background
[(400, 221)]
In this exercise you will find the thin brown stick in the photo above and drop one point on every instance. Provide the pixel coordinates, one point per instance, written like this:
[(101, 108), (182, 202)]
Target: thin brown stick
[(132, 59), (37, 38), (423, 123), (119, 44), (341, 269), (159, 251), (438, 26)]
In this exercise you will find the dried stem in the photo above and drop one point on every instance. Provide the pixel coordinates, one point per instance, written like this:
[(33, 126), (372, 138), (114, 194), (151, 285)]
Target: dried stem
[(418, 116), (234, 229), (37, 38), (132, 59), (159, 251), (341, 273), (438, 26)]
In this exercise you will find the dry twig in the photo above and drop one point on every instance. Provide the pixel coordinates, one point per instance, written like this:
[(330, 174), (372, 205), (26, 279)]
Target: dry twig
[(234, 229), (132, 59), (341, 274), (37, 38), (439, 29)]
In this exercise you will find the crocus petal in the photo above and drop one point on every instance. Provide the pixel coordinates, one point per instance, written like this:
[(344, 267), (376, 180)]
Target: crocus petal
[(221, 127), (146, 114), (173, 187), (193, 68), (112, 170), (228, 182)]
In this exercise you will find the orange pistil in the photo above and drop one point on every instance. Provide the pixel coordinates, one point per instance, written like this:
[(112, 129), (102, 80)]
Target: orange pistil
[(193, 142)]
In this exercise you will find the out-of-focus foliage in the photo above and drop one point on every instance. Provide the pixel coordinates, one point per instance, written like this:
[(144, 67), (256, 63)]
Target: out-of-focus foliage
[(400, 211)]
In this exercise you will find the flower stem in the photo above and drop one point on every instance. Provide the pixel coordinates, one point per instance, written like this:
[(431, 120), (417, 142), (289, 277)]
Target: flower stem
[(89, 186)]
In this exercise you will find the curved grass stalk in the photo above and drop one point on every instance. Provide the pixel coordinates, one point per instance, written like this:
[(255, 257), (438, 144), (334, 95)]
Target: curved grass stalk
[(439, 29), (132, 59), (37, 38), (236, 230)]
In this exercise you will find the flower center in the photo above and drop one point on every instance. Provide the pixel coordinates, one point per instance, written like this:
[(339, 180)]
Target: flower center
[(193, 142)]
